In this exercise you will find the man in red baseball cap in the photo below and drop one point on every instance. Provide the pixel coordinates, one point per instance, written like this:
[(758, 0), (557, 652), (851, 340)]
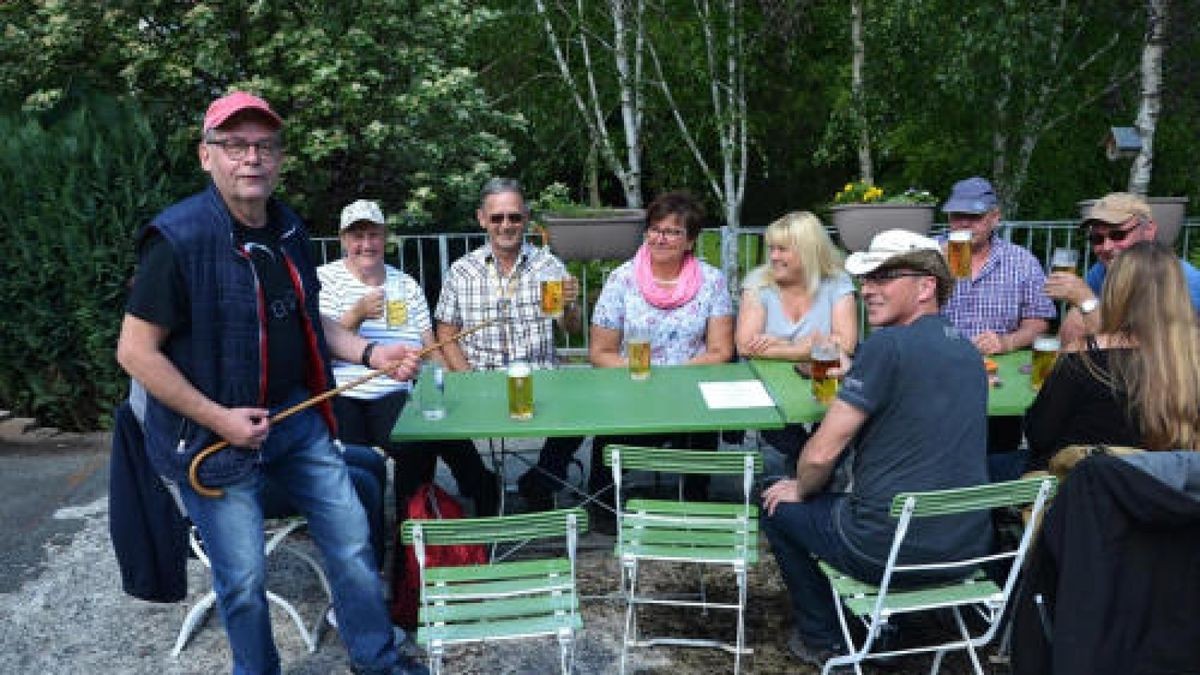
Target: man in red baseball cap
[(223, 329)]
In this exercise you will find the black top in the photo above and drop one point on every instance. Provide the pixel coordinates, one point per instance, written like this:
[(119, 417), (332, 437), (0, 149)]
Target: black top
[(159, 296), (1074, 407)]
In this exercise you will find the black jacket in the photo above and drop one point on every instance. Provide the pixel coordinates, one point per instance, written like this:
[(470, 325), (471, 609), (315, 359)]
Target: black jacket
[(1118, 565), (149, 535)]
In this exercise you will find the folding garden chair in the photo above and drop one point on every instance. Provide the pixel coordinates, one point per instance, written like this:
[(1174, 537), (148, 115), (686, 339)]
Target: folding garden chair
[(502, 600), (701, 533), (876, 605)]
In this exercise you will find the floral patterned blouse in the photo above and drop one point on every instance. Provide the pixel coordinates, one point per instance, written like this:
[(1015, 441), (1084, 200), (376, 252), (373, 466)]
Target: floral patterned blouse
[(676, 335)]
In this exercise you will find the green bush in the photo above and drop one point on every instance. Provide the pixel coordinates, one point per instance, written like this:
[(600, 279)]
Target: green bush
[(77, 185)]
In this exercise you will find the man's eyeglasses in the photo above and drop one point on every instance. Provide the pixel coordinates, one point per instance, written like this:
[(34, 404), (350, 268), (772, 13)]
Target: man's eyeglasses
[(499, 218), (236, 148), (665, 232), (1112, 234), (884, 276)]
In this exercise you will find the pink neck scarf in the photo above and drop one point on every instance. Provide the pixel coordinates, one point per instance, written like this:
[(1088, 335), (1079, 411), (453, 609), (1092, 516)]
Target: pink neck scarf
[(667, 297)]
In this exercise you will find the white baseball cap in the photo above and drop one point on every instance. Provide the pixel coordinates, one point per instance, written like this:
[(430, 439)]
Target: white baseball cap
[(887, 245), (363, 209)]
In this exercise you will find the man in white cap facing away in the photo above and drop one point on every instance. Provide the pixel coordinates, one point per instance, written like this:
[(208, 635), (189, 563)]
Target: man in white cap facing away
[(912, 411)]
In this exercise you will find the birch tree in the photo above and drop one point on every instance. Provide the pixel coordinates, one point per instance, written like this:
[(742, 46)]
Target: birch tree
[(858, 47), (1151, 94), (582, 57)]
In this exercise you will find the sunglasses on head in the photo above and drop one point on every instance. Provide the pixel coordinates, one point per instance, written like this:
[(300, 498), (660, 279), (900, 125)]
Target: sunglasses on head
[(499, 218), (1114, 235)]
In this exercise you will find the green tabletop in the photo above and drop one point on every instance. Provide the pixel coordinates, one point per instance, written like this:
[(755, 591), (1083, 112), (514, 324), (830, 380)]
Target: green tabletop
[(793, 393), (586, 401)]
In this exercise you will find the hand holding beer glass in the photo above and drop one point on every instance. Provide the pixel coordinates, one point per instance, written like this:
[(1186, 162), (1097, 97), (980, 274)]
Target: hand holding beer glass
[(520, 391), (958, 253), (638, 348), (1045, 351), (551, 284), (825, 356)]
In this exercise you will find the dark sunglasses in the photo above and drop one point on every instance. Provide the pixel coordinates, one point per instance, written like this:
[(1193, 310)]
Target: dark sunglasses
[(514, 218), (883, 276), (1113, 235)]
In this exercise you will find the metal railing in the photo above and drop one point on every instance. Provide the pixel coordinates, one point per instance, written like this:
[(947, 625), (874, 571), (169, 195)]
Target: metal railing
[(427, 257)]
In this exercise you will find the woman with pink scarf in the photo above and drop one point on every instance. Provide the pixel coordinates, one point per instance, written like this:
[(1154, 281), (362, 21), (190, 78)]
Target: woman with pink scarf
[(682, 303)]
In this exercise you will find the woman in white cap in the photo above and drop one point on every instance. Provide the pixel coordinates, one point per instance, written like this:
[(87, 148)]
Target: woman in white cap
[(385, 306)]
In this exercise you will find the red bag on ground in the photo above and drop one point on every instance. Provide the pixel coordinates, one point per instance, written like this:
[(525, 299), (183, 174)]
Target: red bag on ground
[(429, 502)]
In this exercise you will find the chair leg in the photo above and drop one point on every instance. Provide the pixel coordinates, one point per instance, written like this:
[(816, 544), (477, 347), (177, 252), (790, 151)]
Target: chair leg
[(195, 618), (966, 636), (566, 650), (309, 639), (435, 660), (630, 619), (741, 618)]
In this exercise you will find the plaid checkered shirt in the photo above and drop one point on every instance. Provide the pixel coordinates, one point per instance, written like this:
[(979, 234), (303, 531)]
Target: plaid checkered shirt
[(1008, 289), (474, 291)]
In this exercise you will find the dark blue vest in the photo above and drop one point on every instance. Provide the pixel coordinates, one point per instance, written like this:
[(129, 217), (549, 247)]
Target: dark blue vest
[(222, 351)]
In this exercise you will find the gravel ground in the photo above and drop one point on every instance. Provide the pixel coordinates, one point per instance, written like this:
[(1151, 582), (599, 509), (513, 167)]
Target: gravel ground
[(70, 616)]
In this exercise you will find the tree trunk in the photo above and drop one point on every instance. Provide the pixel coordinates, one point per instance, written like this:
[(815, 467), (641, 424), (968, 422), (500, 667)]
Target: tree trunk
[(1151, 103), (866, 171)]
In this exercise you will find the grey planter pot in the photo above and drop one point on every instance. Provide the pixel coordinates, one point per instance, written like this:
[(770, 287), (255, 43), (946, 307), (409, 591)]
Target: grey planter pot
[(1168, 213), (857, 223), (597, 234)]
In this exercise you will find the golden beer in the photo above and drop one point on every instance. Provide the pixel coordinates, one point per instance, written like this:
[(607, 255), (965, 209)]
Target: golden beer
[(824, 357), (397, 312), (520, 391), (1063, 260), (552, 298), (639, 358), (1045, 351), (958, 254)]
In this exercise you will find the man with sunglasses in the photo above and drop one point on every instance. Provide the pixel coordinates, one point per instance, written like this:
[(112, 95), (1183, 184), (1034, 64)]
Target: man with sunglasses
[(910, 414), (500, 282), (1116, 222)]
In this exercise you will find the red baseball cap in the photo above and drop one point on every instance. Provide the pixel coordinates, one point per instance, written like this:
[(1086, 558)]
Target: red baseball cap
[(220, 110)]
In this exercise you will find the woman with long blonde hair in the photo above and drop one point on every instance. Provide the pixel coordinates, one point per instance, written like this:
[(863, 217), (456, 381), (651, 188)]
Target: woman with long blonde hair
[(1137, 382), (800, 295)]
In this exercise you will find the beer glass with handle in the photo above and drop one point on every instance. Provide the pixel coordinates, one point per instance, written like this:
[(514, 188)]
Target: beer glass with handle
[(1064, 260), (958, 253), (551, 285), (825, 356)]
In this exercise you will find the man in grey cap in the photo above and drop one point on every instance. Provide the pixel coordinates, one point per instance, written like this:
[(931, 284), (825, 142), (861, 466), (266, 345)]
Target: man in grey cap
[(1116, 221), (912, 407), (1000, 306)]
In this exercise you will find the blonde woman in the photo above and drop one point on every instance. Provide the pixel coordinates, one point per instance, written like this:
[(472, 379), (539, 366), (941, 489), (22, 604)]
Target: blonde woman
[(1137, 381), (801, 294)]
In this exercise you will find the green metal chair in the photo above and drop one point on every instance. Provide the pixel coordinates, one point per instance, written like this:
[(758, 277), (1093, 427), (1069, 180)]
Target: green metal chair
[(874, 605), (700, 533), (502, 600)]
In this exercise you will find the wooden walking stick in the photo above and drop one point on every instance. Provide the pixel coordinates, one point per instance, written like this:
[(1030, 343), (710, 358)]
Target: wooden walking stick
[(194, 466)]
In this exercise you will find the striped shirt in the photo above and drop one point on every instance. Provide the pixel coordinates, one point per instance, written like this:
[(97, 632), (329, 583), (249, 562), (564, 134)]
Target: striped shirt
[(1008, 289), (474, 291), (340, 289)]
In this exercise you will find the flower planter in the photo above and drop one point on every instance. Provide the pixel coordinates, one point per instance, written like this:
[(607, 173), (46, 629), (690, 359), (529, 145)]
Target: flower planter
[(595, 234), (1168, 214), (858, 223)]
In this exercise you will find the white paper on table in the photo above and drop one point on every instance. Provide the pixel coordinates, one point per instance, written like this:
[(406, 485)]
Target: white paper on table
[(736, 394)]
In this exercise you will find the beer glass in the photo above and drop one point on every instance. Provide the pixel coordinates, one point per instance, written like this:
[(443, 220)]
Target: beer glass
[(552, 294), (395, 309), (520, 391), (1064, 260), (824, 355), (1045, 350), (638, 348), (958, 254), (431, 391)]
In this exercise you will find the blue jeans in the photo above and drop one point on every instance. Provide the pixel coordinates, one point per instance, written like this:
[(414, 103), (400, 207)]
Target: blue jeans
[(797, 532), (300, 458)]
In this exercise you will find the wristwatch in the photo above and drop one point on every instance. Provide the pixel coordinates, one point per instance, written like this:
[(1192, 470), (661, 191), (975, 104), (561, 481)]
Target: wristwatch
[(1088, 306)]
